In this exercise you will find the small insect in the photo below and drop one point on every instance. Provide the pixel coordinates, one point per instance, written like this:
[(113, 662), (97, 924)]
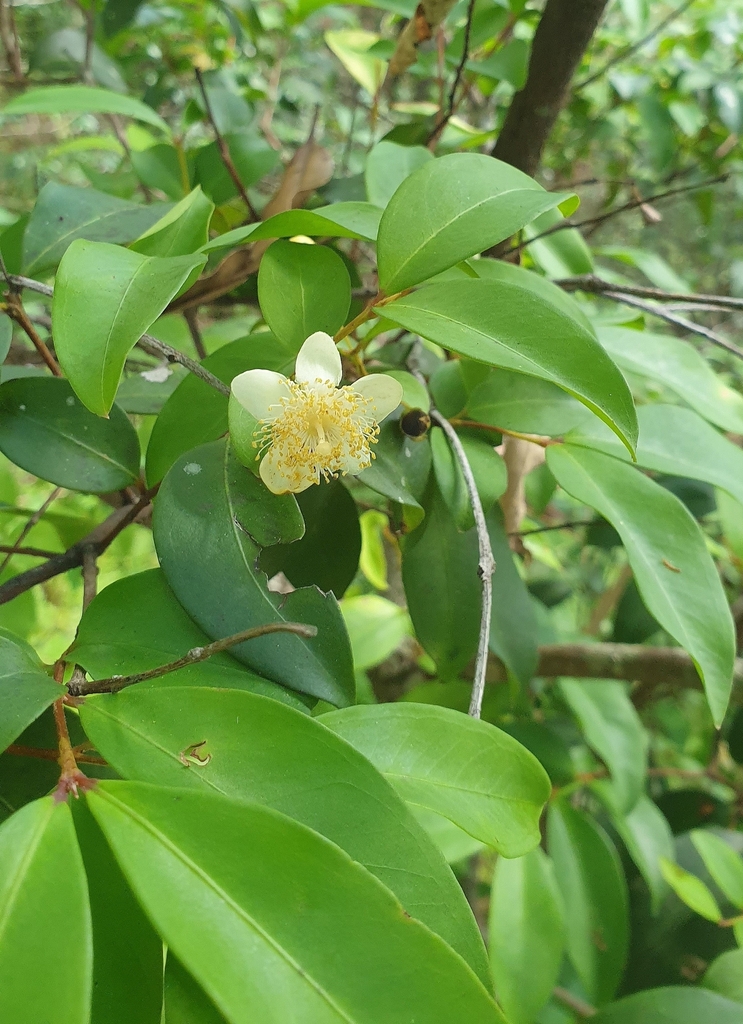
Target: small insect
[(415, 423), (191, 756), (670, 565)]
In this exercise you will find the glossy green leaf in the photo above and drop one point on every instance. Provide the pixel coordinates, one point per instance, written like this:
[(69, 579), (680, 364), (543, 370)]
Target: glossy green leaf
[(691, 890), (469, 771), (388, 165), (303, 289), (212, 517), (675, 574), (723, 863), (564, 253), (450, 209), (136, 624), (509, 326), (125, 945), (677, 365), (671, 1006), (341, 220), (725, 975), (182, 230), (442, 588), (146, 393), (249, 741), (511, 273), (455, 845), (185, 1001), (46, 949), (82, 99), (513, 624), (25, 688), (590, 878), (105, 298), (64, 213), (45, 430), (613, 730), (289, 925), (517, 402), (196, 412), (400, 471), (488, 469), (375, 626), (527, 934)]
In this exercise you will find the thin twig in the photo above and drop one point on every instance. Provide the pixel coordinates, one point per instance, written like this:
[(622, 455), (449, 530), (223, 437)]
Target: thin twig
[(191, 318), (223, 149), (11, 549), (197, 654), (543, 442), (17, 750), (14, 309), (18, 281), (574, 1003), (438, 129), (32, 520), (633, 47), (486, 566), (556, 526), (9, 36), (89, 15), (596, 285)]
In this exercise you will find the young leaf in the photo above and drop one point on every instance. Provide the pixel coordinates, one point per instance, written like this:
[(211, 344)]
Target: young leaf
[(662, 1005), (211, 519), (723, 863), (612, 728), (692, 890), (527, 934), (675, 574), (25, 688), (303, 289), (45, 430), (341, 220), (182, 230), (82, 99), (289, 925), (591, 880), (105, 298), (144, 734), (450, 209), (46, 951), (507, 325), (477, 776)]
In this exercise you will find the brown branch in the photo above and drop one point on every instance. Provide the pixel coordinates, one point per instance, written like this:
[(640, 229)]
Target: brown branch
[(597, 286), (191, 317), (223, 149), (17, 750), (574, 1003), (32, 520), (11, 549), (9, 37), (438, 129), (14, 309), (571, 525), (197, 654), (97, 541)]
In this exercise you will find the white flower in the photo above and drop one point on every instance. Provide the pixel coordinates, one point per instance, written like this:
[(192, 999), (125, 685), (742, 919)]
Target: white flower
[(308, 428)]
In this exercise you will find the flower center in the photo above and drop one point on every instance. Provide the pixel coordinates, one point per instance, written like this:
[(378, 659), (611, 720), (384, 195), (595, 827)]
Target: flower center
[(320, 432)]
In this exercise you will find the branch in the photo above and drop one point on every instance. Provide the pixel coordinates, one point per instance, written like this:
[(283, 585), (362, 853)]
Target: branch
[(578, 1006), (597, 286), (197, 654), (32, 520), (486, 566), (96, 541), (223, 149), (436, 133), (634, 47)]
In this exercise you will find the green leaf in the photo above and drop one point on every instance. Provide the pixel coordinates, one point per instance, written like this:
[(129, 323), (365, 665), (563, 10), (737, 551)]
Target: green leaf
[(590, 878), (463, 768), (196, 413), (327, 555), (250, 155), (400, 471), (182, 230), (509, 326), (564, 253), (185, 1001), (376, 628), (513, 624), (675, 364), (160, 167), (46, 431), (211, 519), (6, 336), (136, 624), (488, 469), (675, 574), (341, 220), (285, 917), (442, 588), (613, 730), (125, 945), (527, 934), (46, 950), (303, 289), (691, 890), (511, 273), (388, 165), (455, 844), (450, 209), (725, 975), (517, 402), (350, 47), (82, 99), (64, 213), (105, 298), (143, 395), (671, 1006), (25, 688), (249, 741), (723, 863), (677, 441)]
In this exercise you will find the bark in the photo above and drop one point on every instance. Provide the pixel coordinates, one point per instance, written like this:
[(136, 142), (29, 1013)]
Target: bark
[(563, 33)]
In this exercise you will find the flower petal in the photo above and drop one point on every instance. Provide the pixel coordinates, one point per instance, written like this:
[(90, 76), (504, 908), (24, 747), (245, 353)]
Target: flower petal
[(318, 359), (260, 392), (383, 392), (276, 478)]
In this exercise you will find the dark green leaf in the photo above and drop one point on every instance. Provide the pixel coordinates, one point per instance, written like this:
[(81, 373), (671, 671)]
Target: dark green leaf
[(6, 336), (251, 157), (212, 516), (675, 574), (463, 768), (488, 469), (513, 625), (289, 925), (46, 950), (45, 430), (303, 289), (400, 470), (146, 393), (592, 884), (25, 688), (672, 1006)]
